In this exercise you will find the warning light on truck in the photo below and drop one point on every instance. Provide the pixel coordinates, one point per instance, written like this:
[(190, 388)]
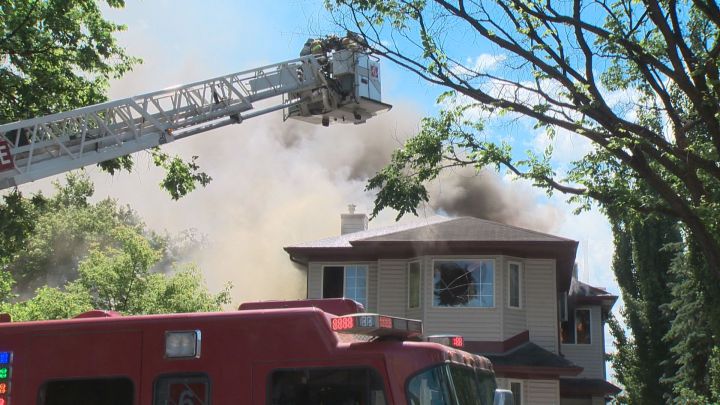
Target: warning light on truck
[(4, 357), (376, 325)]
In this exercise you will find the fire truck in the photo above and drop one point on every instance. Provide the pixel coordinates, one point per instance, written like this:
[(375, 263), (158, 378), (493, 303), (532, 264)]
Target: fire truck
[(311, 352)]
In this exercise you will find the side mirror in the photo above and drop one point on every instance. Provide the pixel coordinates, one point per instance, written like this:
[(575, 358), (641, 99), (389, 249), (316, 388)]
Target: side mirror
[(503, 397)]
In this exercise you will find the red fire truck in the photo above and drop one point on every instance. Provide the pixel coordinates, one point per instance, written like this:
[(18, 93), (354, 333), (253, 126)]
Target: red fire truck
[(277, 353)]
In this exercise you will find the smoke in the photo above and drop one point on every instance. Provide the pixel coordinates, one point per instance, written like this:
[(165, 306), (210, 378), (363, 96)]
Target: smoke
[(280, 183), (486, 195)]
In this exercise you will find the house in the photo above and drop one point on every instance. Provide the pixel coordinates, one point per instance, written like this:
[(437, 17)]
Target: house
[(510, 292)]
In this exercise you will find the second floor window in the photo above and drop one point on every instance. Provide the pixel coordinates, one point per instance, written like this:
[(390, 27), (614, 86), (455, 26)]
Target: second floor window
[(414, 285), (576, 330), (346, 282), (514, 285), (464, 283)]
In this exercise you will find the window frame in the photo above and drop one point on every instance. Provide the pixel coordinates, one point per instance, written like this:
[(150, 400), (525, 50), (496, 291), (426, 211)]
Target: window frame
[(419, 286), (344, 267), (520, 284), (181, 376), (42, 389), (465, 259), (378, 373), (522, 391)]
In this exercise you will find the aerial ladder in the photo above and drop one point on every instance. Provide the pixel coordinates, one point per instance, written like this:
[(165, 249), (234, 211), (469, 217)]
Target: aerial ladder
[(336, 86)]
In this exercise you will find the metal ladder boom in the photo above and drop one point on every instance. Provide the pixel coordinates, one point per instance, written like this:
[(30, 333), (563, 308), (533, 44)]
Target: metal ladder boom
[(53, 144)]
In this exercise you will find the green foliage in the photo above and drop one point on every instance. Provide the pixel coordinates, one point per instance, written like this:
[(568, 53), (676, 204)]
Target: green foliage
[(694, 345), (58, 55), (644, 251), (73, 255)]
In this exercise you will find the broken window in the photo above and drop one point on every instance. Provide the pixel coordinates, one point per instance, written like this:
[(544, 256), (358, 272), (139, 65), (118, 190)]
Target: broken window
[(463, 283), (345, 282)]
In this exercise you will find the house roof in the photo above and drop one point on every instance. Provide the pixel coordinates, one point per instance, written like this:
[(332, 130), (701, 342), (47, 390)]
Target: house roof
[(530, 359), (581, 387), (442, 236), (581, 294)]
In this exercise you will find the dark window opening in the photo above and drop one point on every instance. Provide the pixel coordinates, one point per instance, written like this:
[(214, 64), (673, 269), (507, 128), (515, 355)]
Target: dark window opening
[(517, 390), (326, 386), (182, 390), (576, 330), (333, 286), (98, 391)]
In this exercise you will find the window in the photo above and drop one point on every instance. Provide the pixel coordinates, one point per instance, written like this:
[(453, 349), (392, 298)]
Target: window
[(352, 386), (96, 391), (345, 282), (463, 283), (414, 285), (514, 285), (182, 389), (442, 384), (576, 330), (517, 389)]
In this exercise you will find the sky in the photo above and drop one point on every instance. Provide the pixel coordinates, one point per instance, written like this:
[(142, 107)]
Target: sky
[(277, 183)]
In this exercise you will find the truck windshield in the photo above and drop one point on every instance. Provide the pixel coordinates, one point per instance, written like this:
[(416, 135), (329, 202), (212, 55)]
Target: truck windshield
[(451, 384)]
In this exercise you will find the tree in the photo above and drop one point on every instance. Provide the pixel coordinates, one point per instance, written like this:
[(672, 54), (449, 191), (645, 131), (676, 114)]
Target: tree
[(71, 255), (57, 55), (590, 69), (644, 251)]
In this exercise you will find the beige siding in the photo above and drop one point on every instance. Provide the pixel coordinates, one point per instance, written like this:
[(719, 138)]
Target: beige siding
[(542, 303), (591, 357), (514, 320), (391, 287), (479, 324), (314, 286), (535, 392), (542, 392)]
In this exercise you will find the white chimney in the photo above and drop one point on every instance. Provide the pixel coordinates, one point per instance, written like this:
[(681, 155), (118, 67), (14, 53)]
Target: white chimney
[(352, 222)]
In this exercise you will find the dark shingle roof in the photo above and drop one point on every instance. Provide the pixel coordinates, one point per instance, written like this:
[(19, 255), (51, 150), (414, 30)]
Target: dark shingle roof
[(531, 357)]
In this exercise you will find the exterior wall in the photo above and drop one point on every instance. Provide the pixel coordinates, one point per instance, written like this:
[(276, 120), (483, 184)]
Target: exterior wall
[(542, 317), (591, 357), (392, 287), (479, 324), (536, 392), (314, 286)]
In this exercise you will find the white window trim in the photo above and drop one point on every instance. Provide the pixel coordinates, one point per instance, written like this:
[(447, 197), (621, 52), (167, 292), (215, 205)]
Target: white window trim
[(520, 284), (419, 286), (345, 265), (574, 325), (432, 287), (522, 390)]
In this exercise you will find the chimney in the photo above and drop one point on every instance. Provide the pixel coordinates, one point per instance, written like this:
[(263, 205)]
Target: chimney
[(352, 222)]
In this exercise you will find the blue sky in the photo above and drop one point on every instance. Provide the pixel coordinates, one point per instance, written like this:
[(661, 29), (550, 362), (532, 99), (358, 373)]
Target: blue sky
[(261, 198)]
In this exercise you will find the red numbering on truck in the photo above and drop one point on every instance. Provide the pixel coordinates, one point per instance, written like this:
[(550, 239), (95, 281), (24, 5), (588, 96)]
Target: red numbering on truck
[(6, 161)]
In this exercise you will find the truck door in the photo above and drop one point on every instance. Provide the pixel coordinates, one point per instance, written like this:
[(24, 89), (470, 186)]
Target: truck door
[(85, 368)]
